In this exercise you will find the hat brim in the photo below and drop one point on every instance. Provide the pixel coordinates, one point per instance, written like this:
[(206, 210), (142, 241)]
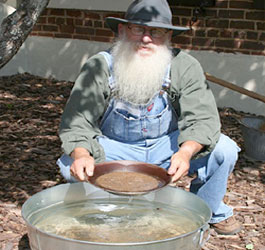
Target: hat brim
[(113, 22)]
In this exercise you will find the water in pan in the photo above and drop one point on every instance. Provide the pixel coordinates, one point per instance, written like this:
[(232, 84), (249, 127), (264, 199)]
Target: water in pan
[(111, 221)]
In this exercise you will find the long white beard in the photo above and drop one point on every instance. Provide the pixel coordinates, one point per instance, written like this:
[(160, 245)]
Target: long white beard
[(138, 78)]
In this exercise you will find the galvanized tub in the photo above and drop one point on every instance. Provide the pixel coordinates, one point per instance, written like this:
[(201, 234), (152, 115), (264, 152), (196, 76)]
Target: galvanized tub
[(40, 240), (254, 136)]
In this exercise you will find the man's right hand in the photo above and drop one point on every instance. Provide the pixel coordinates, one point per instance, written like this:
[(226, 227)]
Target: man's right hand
[(83, 165)]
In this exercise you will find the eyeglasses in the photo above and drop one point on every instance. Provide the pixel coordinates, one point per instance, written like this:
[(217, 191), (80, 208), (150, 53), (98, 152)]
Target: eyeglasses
[(140, 30)]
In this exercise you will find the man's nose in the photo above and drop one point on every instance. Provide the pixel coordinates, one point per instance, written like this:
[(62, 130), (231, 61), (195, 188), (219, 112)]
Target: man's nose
[(146, 37)]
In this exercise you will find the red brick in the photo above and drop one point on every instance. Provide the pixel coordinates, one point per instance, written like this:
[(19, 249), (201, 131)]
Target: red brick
[(62, 35), (37, 27), (189, 32), (67, 29), (240, 34), (261, 26), (185, 21), (175, 21), (60, 20), (102, 32), (231, 14), (51, 20), (252, 35), (42, 20), (81, 37), (116, 14), (202, 41), (84, 31), (74, 13), (181, 40), (232, 51), (32, 33), (262, 37), (88, 23), (46, 34), (70, 21), (241, 5), (225, 43), (189, 47), (57, 12), (217, 23), (98, 24), (199, 23), (246, 52), (256, 53), (226, 33), (200, 33), (257, 15), (213, 33), (101, 39), (210, 13), (173, 3), (218, 50), (242, 25), (181, 12), (78, 22), (92, 15), (45, 12), (49, 28), (253, 45), (221, 4)]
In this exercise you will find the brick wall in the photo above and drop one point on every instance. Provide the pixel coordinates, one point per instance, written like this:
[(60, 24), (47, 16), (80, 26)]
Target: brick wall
[(232, 26)]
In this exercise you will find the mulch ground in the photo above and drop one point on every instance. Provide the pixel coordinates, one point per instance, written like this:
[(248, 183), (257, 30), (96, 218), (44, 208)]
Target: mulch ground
[(30, 110)]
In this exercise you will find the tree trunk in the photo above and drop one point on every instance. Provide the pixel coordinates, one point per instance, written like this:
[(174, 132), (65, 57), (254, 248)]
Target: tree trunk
[(16, 27)]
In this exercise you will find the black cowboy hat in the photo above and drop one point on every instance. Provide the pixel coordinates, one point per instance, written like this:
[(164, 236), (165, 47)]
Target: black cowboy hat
[(153, 13)]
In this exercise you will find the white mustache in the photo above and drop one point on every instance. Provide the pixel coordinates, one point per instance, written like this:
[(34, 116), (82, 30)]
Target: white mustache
[(145, 45)]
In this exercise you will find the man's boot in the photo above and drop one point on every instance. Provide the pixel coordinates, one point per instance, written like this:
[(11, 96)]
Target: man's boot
[(227, 227)]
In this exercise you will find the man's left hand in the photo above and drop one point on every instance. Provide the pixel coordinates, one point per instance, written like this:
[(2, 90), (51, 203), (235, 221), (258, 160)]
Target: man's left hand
[(180, 161)]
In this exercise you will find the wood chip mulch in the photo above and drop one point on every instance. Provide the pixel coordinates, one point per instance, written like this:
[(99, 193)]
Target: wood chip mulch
[(30, 110)]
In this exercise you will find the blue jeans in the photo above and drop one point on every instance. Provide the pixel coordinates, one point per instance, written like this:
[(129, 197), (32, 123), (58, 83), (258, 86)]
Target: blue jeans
[(212, 170)]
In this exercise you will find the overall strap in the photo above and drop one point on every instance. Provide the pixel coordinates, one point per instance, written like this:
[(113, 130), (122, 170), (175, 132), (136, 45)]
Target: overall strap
[(167, 79), (109, 60)]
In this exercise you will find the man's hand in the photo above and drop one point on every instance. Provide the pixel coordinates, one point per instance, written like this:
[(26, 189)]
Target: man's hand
[(83, 166), (180, 161)]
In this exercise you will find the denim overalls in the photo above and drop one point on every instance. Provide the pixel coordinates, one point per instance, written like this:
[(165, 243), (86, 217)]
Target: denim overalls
[(137, 131), (149, 133)]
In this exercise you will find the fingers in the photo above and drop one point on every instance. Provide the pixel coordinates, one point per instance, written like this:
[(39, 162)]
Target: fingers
[(82, 168), (179, 167), (180, 171), (90, 169)]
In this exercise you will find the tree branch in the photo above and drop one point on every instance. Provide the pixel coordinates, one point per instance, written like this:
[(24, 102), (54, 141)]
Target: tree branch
[(16, 27)]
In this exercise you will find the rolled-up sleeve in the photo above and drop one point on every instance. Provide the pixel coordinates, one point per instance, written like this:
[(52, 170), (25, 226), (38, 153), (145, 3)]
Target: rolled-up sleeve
[(198, 115), (80, 120)]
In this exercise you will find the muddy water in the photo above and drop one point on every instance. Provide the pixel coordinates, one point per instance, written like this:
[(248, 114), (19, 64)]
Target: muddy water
[(115, 221)]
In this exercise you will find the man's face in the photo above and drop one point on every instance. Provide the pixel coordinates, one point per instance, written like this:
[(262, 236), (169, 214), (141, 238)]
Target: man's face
[(145, 39)]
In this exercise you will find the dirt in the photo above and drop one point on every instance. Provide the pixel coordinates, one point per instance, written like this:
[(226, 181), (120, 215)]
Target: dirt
[(127, 181), (30, 110)]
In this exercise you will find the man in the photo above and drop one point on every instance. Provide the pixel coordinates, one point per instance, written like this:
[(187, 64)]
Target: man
[(144, 101)]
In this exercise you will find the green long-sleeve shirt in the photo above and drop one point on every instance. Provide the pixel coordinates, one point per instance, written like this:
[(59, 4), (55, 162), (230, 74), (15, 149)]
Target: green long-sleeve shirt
[(198, 118)]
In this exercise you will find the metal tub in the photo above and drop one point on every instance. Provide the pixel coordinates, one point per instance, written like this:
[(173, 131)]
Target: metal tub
[(254, 136), (40, 240)]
